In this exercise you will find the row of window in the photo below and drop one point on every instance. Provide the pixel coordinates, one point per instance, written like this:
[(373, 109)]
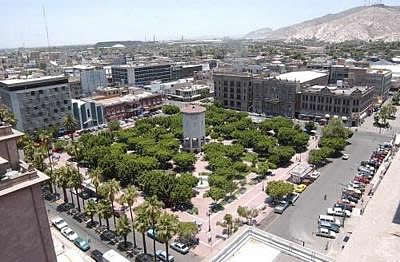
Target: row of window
[(328, 108), (329, 100), (41, 92), (232, 104)]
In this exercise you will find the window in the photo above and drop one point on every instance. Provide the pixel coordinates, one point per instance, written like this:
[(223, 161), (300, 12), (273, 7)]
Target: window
[(238, 104), (65, 102), (232, 83), (225, 83), (238, 84), (232, 104), (40, 92), (63, 88), (225, 102), (32, 93)]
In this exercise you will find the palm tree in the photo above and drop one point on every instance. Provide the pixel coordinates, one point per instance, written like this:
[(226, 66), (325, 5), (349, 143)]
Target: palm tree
[(108, 190), (96, 176), (123, 228), (104, 211), (6, 116), (90, 209), (152, 208), (142, 223), (167, 227), (76, 181), (62, 180), (129, 198), (45, 139), (70, 125)]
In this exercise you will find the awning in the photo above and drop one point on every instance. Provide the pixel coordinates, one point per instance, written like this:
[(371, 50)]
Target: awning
[(335, 116), (327, 116), (344, 118)]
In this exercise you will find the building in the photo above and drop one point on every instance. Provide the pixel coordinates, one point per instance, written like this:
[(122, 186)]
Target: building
[(87, 113), (119, 104), (189, 93), (75, 87), (140, 75), (37, 103), (25, 232), (92, 78), (184, 71), (263, 94), (351, 104), (379, 78), (194, 127)]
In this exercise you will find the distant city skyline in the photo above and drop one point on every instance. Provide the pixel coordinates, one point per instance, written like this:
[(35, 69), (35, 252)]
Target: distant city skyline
[(87, 22)]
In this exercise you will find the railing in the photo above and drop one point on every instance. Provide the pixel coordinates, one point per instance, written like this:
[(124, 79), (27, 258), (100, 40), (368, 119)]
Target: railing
[(283, 245)]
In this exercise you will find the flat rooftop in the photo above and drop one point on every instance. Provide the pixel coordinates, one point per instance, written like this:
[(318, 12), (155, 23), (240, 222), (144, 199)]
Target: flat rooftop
[(337, 90), (193, 109), (31, 80), (302, 76)]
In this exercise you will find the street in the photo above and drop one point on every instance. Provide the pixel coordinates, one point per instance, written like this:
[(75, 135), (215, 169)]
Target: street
[(299, 223), (103, 246)]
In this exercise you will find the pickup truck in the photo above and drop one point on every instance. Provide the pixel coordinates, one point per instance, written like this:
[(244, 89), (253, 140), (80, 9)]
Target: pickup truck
[(337, 211)]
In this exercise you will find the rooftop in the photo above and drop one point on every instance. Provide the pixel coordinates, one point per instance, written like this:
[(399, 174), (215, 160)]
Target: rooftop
[(337, 90), (302, 76), (32, 80), (193, 109)]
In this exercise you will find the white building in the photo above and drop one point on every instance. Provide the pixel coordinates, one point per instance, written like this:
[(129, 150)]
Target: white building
[(194, 127), (91, 77)]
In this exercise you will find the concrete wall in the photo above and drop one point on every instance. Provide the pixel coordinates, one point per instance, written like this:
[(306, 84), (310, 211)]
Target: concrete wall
[(25, 231)]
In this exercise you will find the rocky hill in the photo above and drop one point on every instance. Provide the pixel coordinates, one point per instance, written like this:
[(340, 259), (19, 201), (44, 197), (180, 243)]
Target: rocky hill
[(359, 23)]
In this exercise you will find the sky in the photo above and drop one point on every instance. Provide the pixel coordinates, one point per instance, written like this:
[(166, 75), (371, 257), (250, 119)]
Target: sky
[(90, 21)]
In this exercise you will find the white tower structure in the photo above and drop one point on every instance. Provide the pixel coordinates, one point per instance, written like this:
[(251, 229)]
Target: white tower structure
[(194, 127)]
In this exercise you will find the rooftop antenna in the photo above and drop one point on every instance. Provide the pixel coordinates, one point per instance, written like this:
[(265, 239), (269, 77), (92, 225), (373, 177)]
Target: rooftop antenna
[(47, 30)]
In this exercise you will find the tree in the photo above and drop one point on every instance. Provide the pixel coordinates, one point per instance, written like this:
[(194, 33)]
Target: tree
[(46, 142), (181, 194), (167, 227), (184, 160), (282, 155), (129, 198), (216, 193), (279, 189), (228, 224), (336, 128), (96, 176), (75, 181), (263, 168), (309, 126), (90, 209), (70, 125), (123, 228), (62, 180), (170, 109), (114, 125), (335, 143), (187, 232), (142, 223), (104, 210), (6, 116), (108, 190), (152, 207), (247, 213)]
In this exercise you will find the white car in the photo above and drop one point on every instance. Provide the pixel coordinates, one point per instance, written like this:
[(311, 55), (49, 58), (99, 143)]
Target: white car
[(314, 175), (324, 232), (345, 156), (59, 223), (162, 255), (180, 247), (69, 233), (337, 211)]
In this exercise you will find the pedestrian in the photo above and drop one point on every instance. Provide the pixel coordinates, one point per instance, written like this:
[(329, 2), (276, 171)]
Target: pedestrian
[(325, 197)]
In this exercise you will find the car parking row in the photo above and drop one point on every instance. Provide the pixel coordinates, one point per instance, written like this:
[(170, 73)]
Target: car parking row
[(352, 193)]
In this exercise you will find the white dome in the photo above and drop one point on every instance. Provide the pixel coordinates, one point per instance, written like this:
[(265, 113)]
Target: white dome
[(118, 46)]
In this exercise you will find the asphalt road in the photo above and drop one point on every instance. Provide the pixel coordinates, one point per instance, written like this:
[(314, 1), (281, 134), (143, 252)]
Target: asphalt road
[(97, 243), (299, 222)]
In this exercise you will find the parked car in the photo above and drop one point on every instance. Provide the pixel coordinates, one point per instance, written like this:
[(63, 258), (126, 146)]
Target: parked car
[(344, 206), (96, 255), (69, 233), (162, 255), (108, 235), (180, 247), (292, 198), (314, 175), (332, 227), (144, 258), (281, 207), (347, 202), (350, 198), (345, 156), (59, 223), (152, 234), (337, 211), (82, 244), (324, 232), (299, 188), (329, 219)]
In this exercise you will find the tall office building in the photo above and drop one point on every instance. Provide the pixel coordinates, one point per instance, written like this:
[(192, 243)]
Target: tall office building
[(25, 231), (91, 78), (37, 103), (140, 75)]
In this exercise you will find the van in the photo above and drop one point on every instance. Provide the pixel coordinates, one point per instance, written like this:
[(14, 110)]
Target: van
[(329, 219)]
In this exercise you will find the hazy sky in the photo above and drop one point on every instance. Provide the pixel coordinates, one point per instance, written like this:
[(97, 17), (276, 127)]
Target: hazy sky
[(90, 21)]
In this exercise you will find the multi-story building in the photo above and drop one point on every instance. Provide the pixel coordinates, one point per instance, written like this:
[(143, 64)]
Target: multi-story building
[(351, 104), (263, 94), (380, 79), (189, 93), (119, 104), (87, 113), (140, 75), (25, 232), (75, 87), (37, 103), (92, 78)]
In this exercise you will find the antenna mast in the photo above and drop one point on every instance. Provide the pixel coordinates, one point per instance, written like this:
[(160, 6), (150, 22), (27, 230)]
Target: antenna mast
[(45, 24)]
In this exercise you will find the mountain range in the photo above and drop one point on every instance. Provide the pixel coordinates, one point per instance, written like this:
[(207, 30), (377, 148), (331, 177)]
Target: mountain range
[(376, 22)]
